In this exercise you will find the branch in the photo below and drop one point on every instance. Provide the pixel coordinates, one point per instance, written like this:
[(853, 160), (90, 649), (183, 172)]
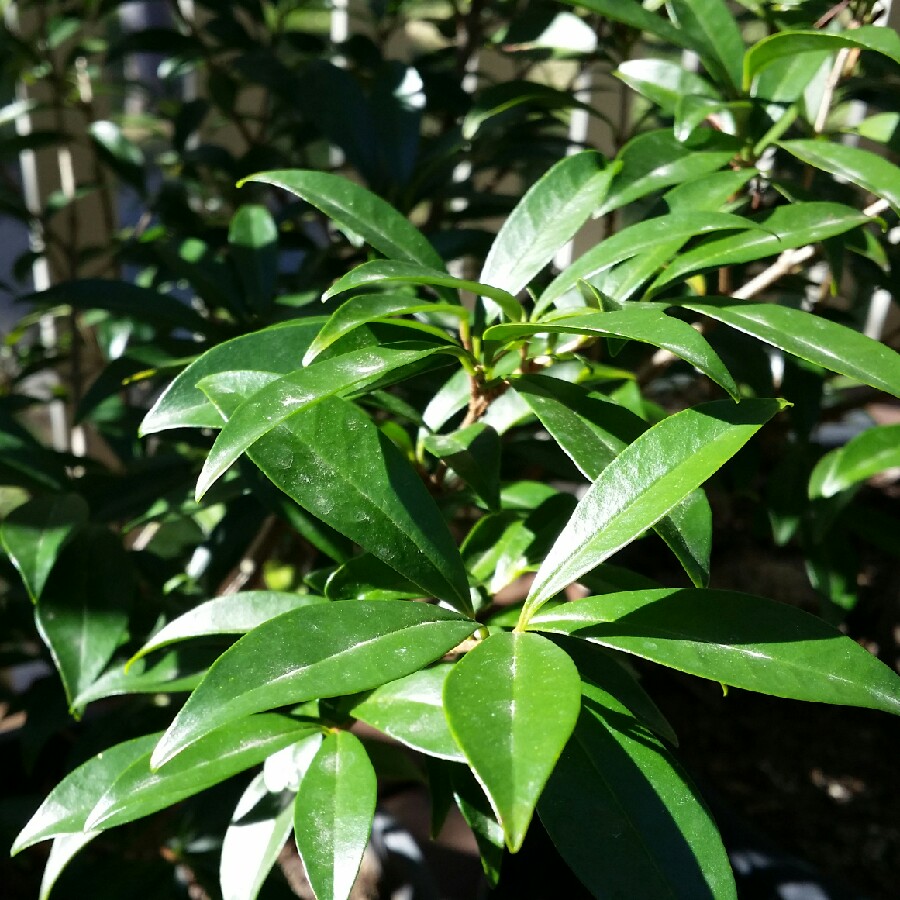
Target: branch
[(790, 259)]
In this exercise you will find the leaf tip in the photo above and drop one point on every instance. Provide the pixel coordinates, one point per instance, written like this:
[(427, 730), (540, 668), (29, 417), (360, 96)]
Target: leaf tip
[(20, 843)]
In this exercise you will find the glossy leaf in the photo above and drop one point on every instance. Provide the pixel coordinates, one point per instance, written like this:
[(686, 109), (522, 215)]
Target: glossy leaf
[(333, 815), (297, 391), (64, 848), (792, 43), (365, 577), (602, 670), (714, 36), (34, 533), (371, 308), (622, 282), (357, 646), (869, 453), (473, 453), (633, 13), (476, 810), (253, 237), (736, 639), (174, 672), (411, 710), (277, 349), (390, 271), (644, 482), (593, 431), (67, 806), (352, 206), (651, 835), (549, 214), (870, 171), (640, 323), (252, 842), (337, 464), (786, 227), (139, 791), (635, 239), (231, 614), (708, 193), (812, 338), (501, 548), (512, 703), (82, 615), (663, 82), (785, 81), (656, 159)]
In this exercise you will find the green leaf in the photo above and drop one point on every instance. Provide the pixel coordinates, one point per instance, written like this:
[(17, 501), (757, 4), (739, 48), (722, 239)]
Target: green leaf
[(512, 703), (869, 453), (792, 43), (253, 841), (374, 308), (643, 483), (663, 82), (357, 646), (476, 810), (625, 279), (648, 324), (592, 431), (786, 79), (390, 271), (333, 815), (693, 113), (810, 337), (232, 614), (253, 238), (708, 193), (82, 615), (633, 14), (175, 672), (549, 214), (651, 835), (297, 391), (736, 639), (786, 227), (714, 36), (62, 851), (870, 171), (34, 533), (609, 671), (67, 806), (411, 710), (635, 239), (277, 349), (473, 453), (365, 577), (337, 464), (351, 206), (500, 548), (499, 98), (139, 791), (656, 159)]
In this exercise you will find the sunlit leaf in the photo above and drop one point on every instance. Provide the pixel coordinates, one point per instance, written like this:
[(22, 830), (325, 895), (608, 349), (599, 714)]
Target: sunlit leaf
[(357, 646), (512, 703), (736, 639)]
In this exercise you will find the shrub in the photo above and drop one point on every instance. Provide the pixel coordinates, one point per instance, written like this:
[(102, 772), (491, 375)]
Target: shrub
[(384, 466)]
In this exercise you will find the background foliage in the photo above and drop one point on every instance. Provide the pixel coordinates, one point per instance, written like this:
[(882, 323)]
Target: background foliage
[(427, 390)]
